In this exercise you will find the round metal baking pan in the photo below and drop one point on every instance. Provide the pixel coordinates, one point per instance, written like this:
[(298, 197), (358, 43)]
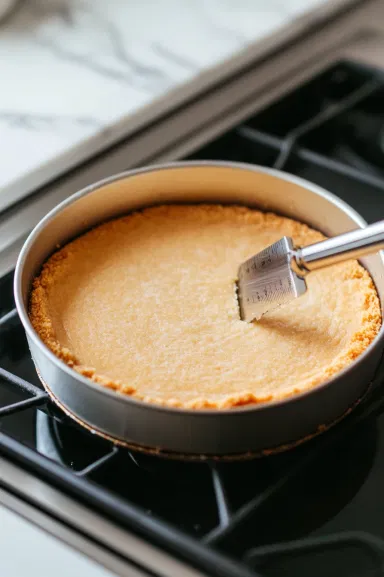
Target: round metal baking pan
[(250, 429)]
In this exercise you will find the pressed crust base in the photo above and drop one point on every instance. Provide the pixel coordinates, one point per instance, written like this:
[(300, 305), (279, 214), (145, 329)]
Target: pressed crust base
[(146, 305)]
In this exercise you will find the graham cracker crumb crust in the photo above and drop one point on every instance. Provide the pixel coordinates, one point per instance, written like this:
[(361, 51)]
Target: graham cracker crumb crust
[(146, 305)]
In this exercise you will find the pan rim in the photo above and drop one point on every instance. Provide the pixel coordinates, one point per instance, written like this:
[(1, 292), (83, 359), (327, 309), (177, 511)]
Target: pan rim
[(128, 399)]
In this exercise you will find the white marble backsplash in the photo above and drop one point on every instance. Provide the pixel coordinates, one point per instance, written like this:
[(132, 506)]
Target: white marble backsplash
[(72, 70)]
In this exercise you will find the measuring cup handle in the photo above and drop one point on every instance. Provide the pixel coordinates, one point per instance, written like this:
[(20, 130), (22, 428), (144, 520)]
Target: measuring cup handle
[(354, 244)]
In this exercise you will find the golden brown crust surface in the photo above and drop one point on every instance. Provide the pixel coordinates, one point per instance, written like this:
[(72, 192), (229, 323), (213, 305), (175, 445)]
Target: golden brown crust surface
[(146, 305)]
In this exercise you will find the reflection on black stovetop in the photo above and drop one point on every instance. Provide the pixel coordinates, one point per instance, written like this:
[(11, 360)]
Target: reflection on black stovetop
[(300, 513)]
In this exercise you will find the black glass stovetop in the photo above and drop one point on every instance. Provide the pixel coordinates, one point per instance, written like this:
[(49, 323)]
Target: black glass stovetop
[(313, 511)]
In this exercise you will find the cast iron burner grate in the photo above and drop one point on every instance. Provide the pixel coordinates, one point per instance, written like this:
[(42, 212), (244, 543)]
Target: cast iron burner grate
[(315, 510)]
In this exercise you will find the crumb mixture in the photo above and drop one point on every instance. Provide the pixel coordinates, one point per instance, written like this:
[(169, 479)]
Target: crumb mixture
[(146, 305)]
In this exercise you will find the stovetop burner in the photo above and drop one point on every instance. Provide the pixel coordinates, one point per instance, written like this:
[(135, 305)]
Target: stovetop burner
[(315, 510), (356, 136), (187, 490), (340, 115)]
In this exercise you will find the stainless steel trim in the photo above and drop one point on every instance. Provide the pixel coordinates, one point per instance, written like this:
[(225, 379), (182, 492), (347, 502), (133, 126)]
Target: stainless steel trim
[(68, 536), (79, 518)]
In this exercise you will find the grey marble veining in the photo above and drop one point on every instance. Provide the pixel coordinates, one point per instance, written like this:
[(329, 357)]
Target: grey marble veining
[(74, 71)]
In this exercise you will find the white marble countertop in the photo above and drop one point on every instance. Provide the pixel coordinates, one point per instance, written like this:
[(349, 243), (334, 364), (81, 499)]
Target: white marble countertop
[(42, 554), (74, 71)]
